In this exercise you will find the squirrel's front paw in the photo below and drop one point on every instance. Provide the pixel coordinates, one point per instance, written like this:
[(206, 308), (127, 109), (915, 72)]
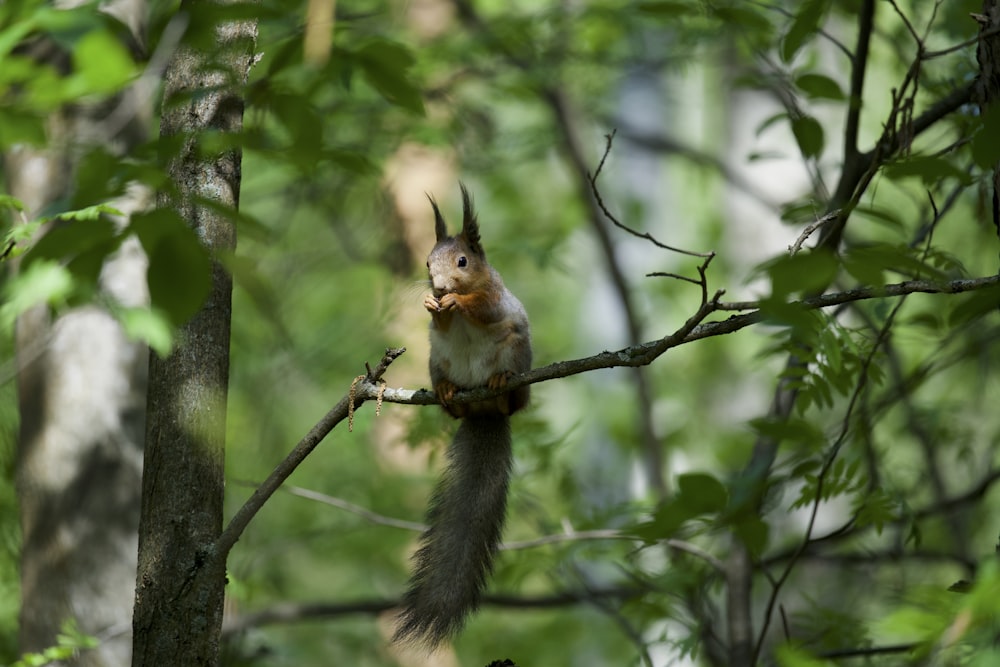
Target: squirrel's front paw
[(499, 380), (431, 304), (445, 391), (448, 302)]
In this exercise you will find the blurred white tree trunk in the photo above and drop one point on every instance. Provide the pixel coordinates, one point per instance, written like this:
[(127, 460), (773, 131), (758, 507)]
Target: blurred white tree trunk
[(81, 386)]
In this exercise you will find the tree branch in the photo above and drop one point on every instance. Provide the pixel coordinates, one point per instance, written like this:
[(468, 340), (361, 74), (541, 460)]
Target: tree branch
[(292, 612), (693, 329), (339, 412), (859, 66)]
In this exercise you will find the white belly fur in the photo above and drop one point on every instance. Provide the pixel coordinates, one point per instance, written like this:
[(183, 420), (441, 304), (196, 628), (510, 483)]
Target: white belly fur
[(470, 355)]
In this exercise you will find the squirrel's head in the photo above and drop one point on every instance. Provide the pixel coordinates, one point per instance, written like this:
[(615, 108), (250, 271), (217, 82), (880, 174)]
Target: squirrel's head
[(457, 264)]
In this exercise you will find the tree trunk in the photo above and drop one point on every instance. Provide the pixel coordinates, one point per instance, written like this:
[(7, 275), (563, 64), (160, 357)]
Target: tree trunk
[(181, 579)]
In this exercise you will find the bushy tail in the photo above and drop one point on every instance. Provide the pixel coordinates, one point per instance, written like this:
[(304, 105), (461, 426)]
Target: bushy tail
[(466, 519)]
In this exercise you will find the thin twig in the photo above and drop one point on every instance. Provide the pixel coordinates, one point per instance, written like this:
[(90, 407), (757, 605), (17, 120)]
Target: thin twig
[(810, 228), (697, 552), (346, 505), (557, 538), (609, 139), (372, 388)]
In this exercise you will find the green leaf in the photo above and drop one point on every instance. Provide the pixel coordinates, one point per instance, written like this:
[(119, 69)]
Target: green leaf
[(90, 212), (884, 216), (667, 518), (384, 64), (44, 281), (103, 65), (700, 493), (862, 270), (931, 169), (96, 179), (776, 310), (819, 87), (792, 429), (81, 241), (148, 325), (10, 201), (789, 655), (179, 273), (21, 127), (868, 262), (697, 494), (876, 509), (974, 306), (744, 19), (808, 135), (802, 272), (76, 234), (769, 121), (804, 26), (14, 34), (799, 212), (353, 161), (753, 532)]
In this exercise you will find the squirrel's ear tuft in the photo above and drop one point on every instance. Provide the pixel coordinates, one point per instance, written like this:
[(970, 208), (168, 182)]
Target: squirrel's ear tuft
[(470, 226), (440, 229)]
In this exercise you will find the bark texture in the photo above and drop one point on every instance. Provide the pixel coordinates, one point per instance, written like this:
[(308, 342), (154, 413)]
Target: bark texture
[(181, 578)]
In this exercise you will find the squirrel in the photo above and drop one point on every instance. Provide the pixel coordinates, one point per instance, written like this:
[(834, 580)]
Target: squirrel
[(479, 337)]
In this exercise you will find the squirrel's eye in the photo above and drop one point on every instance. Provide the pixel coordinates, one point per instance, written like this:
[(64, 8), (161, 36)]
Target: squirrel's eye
[(462, 262), (428, 264)]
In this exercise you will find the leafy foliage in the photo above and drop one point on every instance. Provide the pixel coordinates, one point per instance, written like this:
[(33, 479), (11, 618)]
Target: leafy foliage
[(70, 642)]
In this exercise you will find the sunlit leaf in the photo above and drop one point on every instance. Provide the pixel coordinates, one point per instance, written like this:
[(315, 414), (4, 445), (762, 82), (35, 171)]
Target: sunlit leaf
[(43, 282), (789, 655), (102, 62), (19, 127), (10, 201), (148, 325)]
